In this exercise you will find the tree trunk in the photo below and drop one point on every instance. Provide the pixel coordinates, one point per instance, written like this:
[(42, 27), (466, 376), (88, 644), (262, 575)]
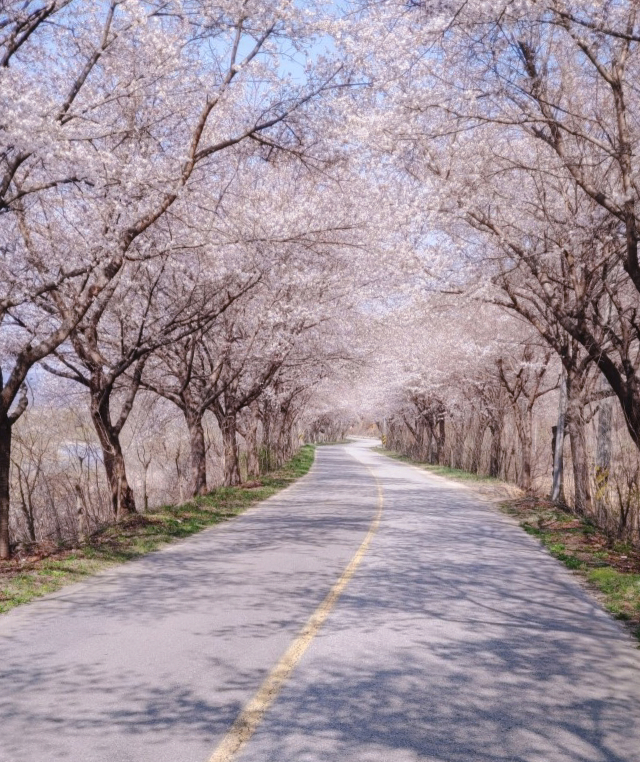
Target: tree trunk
[(230, 443), (26, 503), (253, 454), (440, 432), (5, 473), (81, 514), (428, 444), (579, 457), (266, 439), (557, 466), (525, 428), (457, 451), (284, 442), (557, 445), (525, 468), (603, 458), (145, 493), (476, 447), (198, 454), (122, 498), (495, 451)]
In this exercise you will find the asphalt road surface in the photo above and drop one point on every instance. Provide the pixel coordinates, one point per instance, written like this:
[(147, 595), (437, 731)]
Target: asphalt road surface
[(456, 639)]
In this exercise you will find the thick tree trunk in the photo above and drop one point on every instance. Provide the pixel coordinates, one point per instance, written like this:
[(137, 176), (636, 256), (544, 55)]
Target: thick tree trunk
[(198, 454), (5, 473), (579, 457), (122, 498), (230, 444)]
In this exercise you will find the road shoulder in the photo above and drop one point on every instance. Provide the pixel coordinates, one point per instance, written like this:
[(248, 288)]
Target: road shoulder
[(608, 570)]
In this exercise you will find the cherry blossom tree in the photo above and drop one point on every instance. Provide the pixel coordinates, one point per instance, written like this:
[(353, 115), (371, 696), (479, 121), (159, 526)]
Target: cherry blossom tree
[(160, 304), (113, 115), (538, 101)]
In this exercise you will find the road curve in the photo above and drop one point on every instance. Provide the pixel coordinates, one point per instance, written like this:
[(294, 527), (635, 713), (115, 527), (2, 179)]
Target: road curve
[(456, 639)]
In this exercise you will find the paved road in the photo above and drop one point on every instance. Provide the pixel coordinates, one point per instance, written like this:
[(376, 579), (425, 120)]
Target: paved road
[(457, 639)]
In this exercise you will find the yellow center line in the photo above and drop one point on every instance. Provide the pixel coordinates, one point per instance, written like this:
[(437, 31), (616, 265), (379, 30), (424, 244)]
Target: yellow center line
[(251, 716)]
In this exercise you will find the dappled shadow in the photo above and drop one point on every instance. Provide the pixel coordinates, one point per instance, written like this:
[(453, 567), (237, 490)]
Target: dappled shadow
[(164, 652), (458, 640)]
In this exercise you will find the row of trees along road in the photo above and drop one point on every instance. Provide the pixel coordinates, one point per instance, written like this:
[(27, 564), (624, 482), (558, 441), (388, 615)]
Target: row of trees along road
[(226, 205), (174, 217), (517, 123)]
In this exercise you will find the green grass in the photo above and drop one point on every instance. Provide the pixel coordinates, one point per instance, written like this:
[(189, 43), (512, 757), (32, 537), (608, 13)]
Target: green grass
[(622, 591), (612, 568), (140, 534)]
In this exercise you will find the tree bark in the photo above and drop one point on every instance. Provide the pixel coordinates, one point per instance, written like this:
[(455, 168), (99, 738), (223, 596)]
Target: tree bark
[(428, 454), (457, 451), (525, 468), (197, 454), (81, 513), (525, 427), (579, 456), (253, 454), (145, 493), (495, 459), (27, 508), (266, 438), (603, 457), (122, 498), (557, 487), (230, 444), (5, 473), (440, 435), (284, 443), (476, 448)]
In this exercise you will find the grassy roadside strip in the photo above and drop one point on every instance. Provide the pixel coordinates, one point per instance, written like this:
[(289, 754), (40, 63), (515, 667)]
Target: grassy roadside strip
[(26, 578), (610, 569)]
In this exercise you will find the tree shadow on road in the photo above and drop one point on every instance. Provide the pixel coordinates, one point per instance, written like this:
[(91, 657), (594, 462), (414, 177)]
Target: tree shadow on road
[(459, 640)]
